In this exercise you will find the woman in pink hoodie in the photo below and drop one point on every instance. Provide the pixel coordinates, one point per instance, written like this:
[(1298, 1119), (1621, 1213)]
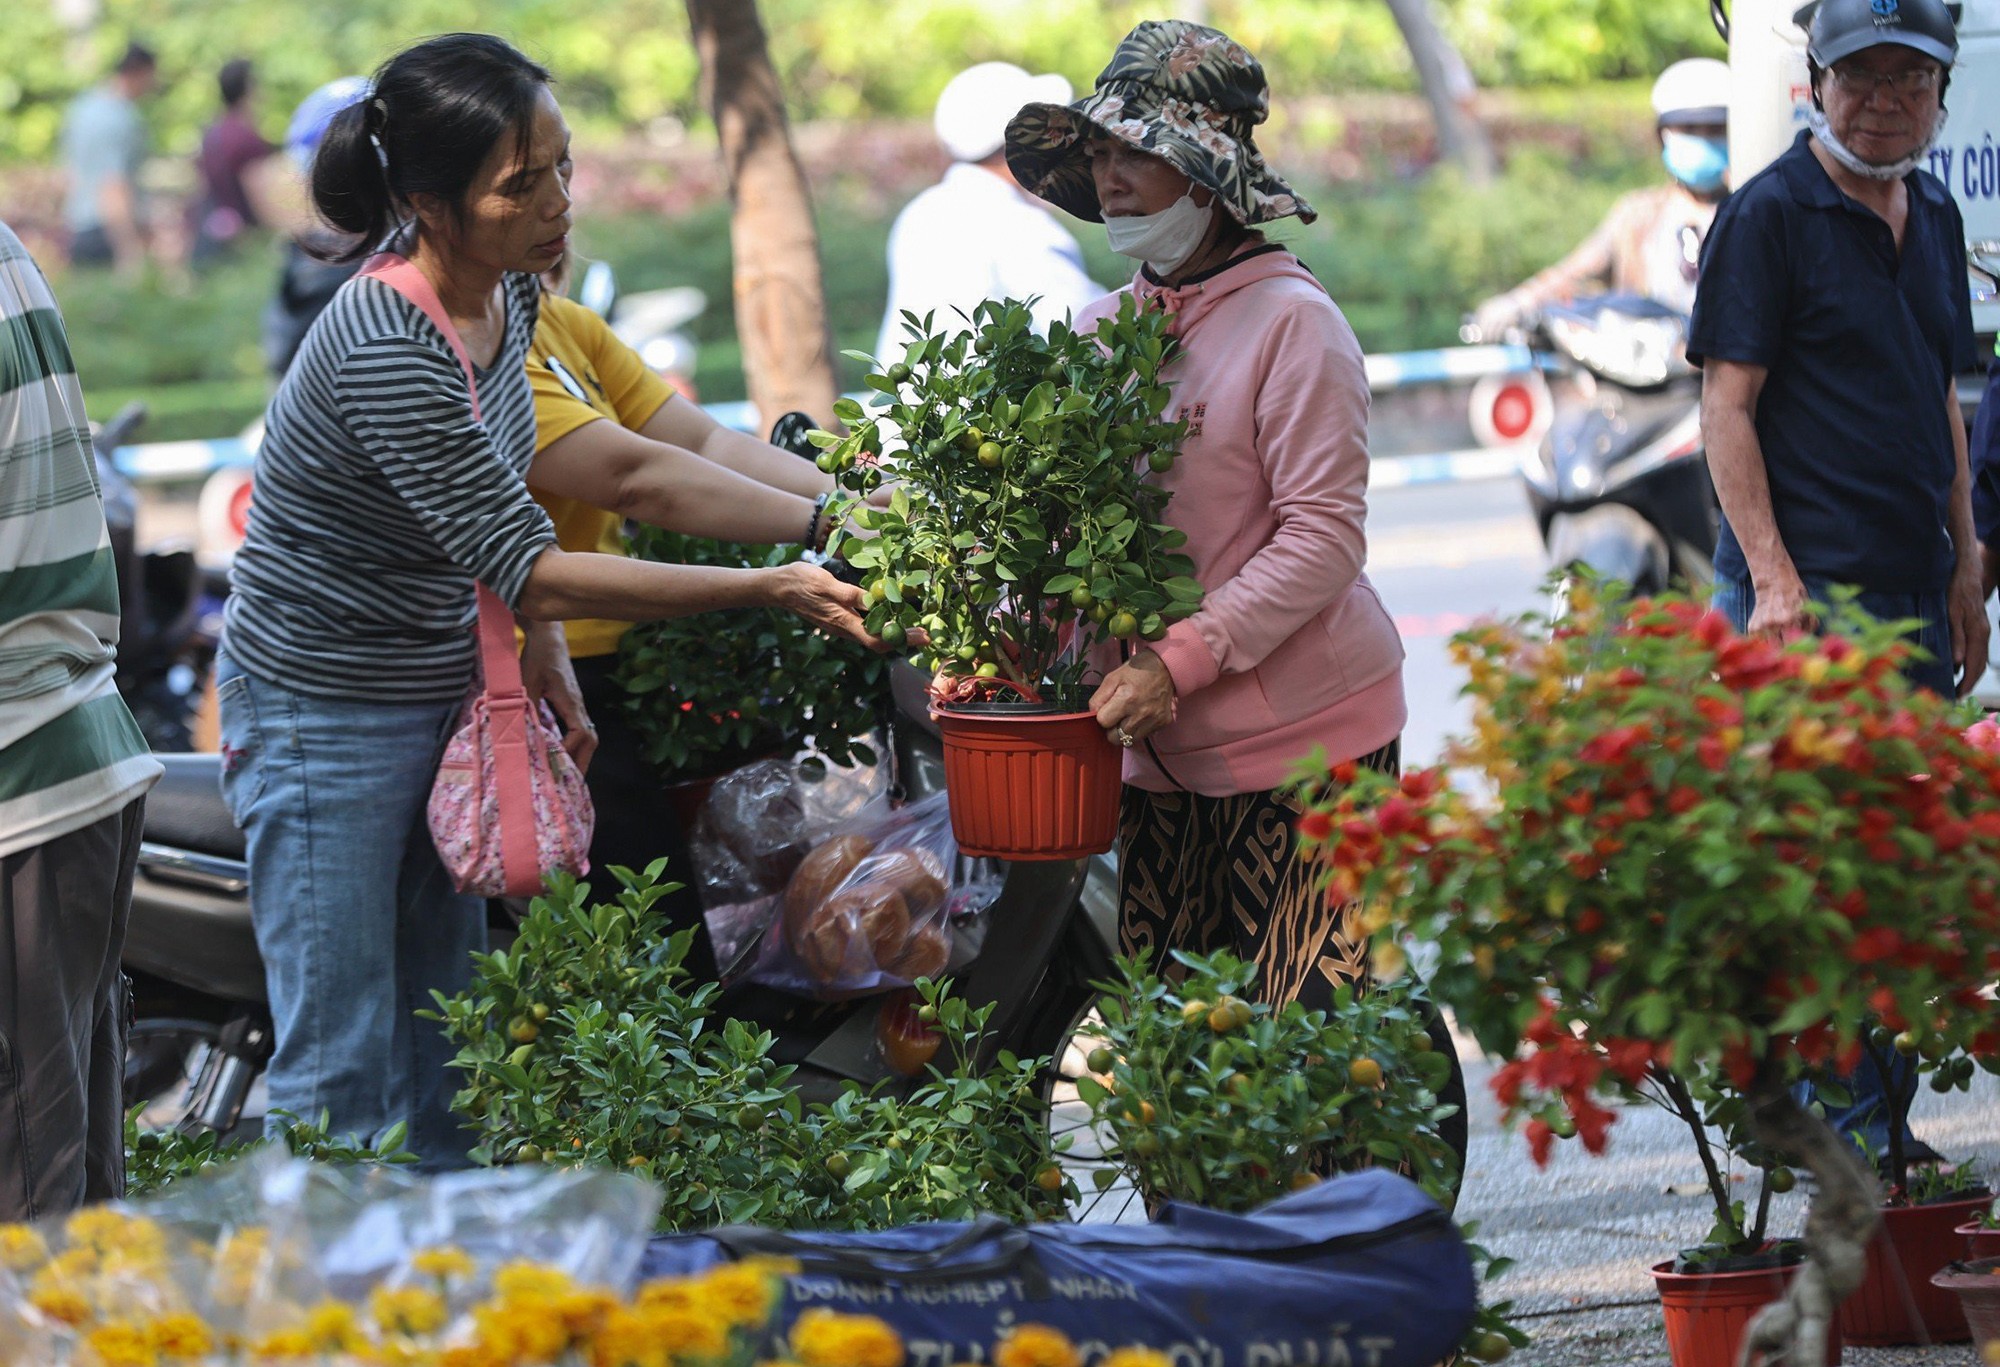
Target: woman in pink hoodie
[(1292, 649)]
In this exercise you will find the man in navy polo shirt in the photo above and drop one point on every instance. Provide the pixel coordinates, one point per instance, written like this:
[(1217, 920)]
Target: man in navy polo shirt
[(1831, 316)]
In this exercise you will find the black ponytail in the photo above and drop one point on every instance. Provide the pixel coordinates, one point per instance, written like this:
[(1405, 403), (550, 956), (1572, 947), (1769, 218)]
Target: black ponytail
[(434, 113)]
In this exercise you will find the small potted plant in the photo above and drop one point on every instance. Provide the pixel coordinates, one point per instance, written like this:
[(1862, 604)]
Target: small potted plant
[(711, 693), (1710, 1292), (1704, 844), (1020, 534)]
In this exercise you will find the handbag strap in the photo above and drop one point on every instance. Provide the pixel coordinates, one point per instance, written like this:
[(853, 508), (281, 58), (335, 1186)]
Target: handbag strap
[(506, 697), (1012, 1251)]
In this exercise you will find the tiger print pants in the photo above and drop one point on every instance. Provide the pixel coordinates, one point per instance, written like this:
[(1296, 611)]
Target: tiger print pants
[(1203, 874)]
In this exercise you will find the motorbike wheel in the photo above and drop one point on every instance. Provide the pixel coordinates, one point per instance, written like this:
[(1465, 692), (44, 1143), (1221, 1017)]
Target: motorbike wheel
[(163, 1057), (1107, 1193)]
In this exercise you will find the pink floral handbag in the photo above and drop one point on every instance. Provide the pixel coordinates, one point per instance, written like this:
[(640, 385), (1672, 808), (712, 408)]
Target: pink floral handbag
[(509, 804)]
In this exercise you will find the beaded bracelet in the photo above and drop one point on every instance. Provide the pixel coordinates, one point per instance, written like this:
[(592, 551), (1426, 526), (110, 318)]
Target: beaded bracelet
[(812, 527)]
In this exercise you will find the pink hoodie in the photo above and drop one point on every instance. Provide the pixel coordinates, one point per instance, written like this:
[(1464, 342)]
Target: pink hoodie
[(1292, 648)]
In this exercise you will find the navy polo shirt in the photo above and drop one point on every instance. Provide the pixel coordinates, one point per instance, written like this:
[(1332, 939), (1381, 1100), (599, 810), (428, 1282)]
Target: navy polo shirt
[(1859, 345)]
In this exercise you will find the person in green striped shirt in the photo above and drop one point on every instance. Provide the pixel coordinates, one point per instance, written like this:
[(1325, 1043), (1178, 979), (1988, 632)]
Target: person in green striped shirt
[(74, 770)]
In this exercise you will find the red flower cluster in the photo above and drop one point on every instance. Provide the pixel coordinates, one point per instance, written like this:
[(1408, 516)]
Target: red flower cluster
[(1563, 1068)]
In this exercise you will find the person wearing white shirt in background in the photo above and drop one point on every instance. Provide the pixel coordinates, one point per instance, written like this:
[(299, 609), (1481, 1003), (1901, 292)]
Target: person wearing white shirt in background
[(976, 235)]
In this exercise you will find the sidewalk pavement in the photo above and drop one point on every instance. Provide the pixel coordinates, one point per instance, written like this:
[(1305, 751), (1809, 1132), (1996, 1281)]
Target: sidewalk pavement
[(1584, 1231)]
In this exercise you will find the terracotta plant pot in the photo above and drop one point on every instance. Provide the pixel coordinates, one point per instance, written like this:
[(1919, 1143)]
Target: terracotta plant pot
[(1896, 1303), (1030, 785), (1707, 1312), (1980, 1242), (1977, 1286)]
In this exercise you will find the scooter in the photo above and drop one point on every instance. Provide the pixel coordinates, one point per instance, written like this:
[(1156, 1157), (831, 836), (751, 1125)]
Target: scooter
[(169, 609), (1619, 485)]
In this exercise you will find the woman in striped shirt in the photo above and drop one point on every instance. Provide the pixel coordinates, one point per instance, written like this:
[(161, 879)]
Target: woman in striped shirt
[(348, 643)]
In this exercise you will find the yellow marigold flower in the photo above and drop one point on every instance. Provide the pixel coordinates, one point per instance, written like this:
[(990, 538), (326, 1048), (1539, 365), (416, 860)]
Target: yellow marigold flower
[(285, 1346), (119, 1345), (21, 1248), (521, 1331), (1135, 1357), (409, 1310), (181, 1336), (528, 1281), (443, 1262), (668, 1292), (625, 1339), (822, 1338), (1036, 1345), (334, 1327), (582, 1311), (686, 1334), (741, 1294), (63, 1303), (394, 1354)]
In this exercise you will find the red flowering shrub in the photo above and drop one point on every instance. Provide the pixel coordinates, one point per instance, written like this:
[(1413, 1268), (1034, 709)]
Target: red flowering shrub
[(1680, 844)]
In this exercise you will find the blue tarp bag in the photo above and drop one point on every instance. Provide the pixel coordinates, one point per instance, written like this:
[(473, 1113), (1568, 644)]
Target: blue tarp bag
[(1362, 1270)]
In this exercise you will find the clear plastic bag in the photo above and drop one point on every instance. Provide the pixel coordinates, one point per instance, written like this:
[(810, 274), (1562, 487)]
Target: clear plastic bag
[(876, 905), (756, 826), (268, 1249)]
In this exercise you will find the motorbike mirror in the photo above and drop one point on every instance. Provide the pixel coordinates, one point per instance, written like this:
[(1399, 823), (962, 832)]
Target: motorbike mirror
[(789, 434), (120, 430), (599, 290)]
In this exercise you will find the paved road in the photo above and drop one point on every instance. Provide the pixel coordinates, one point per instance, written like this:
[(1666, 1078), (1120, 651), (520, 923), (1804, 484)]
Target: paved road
[(1584, 1231), (1443, 556)]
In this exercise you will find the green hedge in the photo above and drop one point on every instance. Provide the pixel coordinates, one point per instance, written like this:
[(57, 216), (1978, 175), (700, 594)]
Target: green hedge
[(1404, 256), (623, 63)]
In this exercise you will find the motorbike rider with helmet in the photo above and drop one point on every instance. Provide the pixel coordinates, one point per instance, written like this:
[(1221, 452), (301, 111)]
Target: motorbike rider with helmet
[(1650, 242)]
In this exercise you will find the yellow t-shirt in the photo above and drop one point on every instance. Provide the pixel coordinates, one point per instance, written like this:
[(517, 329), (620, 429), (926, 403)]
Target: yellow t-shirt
[(580, 373)]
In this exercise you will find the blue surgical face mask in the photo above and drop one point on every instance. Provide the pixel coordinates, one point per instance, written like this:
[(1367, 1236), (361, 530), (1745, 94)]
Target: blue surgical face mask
[(1701, 164)]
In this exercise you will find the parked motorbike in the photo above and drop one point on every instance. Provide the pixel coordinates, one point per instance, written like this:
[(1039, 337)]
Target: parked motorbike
[(1619, 485), (169, 609)]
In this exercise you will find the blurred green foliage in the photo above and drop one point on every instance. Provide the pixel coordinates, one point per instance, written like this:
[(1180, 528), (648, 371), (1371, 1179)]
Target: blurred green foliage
[(1404, 256), (623, 63)]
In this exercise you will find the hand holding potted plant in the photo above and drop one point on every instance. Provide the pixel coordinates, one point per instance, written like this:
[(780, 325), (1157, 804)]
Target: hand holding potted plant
[(1701, 848), (1020, 533)]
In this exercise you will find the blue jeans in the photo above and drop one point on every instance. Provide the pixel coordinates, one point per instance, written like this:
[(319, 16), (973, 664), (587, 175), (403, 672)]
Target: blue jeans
[(356, 919), (1736, 600), (1868, 1115)]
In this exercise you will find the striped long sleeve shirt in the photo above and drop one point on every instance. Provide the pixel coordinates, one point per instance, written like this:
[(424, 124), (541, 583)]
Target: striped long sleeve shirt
[(70, 753), (379, 500)]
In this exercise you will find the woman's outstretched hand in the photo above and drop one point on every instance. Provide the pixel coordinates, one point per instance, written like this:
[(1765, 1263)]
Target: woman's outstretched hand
[(826, 602)]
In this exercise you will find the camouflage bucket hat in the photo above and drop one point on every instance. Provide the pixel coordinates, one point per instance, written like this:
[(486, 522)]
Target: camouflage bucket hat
[(1182, 92)]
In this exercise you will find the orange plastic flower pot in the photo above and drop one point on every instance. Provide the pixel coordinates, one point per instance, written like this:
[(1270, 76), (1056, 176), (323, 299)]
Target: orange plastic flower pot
[(1030, 786), (1896, 1303), (1707, 1313)]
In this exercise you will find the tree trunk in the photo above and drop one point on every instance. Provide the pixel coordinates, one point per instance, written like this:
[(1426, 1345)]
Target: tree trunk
[(1843, 1218), (1461, 138), (780, 298)]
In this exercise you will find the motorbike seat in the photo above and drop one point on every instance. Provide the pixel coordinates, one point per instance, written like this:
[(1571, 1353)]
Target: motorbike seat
[(185, 809)]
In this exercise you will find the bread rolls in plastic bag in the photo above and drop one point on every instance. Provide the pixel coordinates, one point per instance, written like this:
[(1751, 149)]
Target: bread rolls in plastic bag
[(877, 905)]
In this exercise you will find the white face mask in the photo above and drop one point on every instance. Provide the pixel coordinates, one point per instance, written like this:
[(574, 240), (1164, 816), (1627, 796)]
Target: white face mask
[(1164, 240), (1895, 170)]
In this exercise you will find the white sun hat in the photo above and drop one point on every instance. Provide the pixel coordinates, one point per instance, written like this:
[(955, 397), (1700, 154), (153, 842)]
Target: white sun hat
[(975, 105)]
